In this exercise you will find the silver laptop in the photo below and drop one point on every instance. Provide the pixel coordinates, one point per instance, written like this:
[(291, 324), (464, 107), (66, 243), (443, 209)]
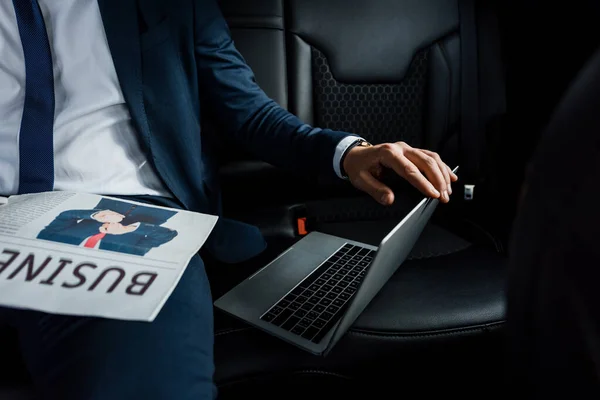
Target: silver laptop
[(311, 294)]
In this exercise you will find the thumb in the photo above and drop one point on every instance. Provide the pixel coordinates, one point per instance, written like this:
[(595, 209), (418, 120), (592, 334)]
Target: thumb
[(380, 192)]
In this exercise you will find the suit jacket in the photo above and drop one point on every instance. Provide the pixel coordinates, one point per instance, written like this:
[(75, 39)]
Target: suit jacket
[(176, 64), (75, 226), (139, 242), (134, 213)]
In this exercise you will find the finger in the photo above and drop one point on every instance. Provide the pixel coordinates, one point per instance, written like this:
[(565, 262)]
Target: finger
[(409, 171), (429, 166), (432, 171), (453, 175), (443, 168), (377, 190)]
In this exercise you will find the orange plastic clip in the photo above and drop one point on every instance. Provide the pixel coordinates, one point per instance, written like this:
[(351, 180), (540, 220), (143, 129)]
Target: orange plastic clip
[(302, 226)]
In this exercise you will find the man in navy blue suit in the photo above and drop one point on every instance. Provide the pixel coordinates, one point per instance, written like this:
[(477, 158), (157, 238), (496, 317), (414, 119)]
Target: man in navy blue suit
[(105, 96), (106, 230)]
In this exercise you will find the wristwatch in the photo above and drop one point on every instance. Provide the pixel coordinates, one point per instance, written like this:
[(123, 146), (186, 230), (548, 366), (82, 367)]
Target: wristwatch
[(357, 143)]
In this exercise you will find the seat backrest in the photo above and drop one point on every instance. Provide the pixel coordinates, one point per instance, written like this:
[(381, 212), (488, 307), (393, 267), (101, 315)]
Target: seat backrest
[(379, 68)]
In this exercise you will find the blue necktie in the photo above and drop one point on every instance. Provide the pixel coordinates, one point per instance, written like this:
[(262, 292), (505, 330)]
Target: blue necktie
[(36, 150)]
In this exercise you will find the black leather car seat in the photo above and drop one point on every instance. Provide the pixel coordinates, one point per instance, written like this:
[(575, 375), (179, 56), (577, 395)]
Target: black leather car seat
[(388, 70)]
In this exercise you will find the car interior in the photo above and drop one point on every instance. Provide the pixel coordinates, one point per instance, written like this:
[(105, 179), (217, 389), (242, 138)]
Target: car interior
[(475, 81)]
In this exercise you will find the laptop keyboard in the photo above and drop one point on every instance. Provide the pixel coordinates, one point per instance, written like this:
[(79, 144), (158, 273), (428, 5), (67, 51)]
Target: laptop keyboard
[(313, 307)]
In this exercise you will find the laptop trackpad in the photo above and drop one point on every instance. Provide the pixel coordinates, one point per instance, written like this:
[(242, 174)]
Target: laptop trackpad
[(259, 292)]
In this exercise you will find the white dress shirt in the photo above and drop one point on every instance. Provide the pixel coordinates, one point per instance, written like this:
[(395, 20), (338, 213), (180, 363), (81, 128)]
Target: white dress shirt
[(96, 148)]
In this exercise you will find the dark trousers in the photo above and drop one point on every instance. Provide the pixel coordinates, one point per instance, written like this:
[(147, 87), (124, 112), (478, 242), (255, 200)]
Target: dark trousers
[(94, 358)]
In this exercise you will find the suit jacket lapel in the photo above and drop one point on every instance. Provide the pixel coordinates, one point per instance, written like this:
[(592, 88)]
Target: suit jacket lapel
[(121, 25)]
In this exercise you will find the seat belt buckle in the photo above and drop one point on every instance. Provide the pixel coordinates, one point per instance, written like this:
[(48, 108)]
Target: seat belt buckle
[(469, 192)]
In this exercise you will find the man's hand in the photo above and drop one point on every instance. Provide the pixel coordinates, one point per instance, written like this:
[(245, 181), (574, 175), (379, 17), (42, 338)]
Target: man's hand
[(422, 168), (108, 216), (116, 228)]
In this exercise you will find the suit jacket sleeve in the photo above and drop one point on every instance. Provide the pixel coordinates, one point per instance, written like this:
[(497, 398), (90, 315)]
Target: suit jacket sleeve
[(64, 221), (151, 236), (252, 119)]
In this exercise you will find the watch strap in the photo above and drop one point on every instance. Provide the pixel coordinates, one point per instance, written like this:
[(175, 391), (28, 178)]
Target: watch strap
[(359, 142)]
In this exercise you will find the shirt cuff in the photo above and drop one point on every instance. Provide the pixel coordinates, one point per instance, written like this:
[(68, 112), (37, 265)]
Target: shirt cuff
[(340, 151)]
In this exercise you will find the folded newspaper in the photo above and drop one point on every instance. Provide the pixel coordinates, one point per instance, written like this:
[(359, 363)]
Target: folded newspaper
[(82, 254)]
